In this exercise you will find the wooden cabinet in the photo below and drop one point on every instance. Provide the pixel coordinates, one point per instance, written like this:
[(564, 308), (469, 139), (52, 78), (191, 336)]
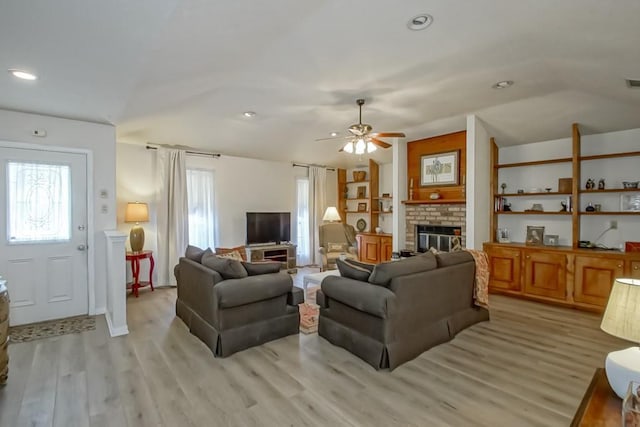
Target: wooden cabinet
[(505, 268), (285, 254), (594, 278), (374, 248), (579, 278), (545, 274)]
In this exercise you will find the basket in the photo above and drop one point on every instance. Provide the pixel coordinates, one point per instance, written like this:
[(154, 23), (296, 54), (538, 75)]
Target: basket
[(359, 175)]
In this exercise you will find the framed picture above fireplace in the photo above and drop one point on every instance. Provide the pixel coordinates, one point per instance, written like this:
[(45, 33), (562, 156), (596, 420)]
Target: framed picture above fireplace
[(439, 169)]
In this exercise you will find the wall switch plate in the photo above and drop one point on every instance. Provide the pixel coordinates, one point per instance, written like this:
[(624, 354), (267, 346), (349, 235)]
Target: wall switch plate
[(613, 224), (39, 132)]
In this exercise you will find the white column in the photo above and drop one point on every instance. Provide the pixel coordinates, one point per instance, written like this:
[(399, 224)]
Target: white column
[(116, 313), (399, 193), (479, 203)]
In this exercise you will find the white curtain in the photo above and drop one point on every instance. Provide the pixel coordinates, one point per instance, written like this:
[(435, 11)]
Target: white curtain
[(200, 191), (317, 202), (173, 226), (304, 256)]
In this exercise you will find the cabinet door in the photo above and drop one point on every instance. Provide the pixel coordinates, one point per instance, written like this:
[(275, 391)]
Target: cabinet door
[(594, 277), (545, 274), (368, 249), (505, 269), (386, 249), (635, 270)]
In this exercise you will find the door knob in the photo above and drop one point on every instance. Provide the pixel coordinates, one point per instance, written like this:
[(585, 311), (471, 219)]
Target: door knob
[(81, 247)]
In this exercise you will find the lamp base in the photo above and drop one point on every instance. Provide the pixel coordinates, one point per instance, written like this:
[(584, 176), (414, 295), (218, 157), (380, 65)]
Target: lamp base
[(136, 238), (622, 367)]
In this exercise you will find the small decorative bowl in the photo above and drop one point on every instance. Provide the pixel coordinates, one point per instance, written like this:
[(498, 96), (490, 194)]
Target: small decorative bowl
[(630, 184)]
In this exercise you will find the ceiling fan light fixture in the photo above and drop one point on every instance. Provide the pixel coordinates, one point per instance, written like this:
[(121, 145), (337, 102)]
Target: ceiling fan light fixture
[(348, 147), (21, 74), (249, 114), (361, 146), (334, 134), (420, 22), (371, 147)]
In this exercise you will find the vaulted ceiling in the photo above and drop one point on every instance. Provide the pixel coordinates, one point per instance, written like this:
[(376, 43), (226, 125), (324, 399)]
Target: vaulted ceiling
[(183, 72)]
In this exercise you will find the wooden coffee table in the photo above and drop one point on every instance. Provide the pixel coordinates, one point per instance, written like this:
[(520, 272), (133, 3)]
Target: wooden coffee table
[(600, 406)]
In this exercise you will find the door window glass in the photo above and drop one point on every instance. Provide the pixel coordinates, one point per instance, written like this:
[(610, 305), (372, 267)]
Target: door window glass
[(39, 202)]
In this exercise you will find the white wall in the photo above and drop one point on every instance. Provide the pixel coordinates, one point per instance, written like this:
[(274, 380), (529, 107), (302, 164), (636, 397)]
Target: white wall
[(97, 138), (242, 185), (477, 183)]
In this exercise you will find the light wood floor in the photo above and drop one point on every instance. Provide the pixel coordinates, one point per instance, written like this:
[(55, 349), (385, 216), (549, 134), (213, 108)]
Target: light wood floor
[(529, 365)]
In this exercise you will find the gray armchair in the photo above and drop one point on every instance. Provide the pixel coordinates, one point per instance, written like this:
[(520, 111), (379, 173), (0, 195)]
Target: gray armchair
[(337, 239)]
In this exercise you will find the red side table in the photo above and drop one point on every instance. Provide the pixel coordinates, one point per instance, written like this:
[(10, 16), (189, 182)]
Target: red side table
[(134, 258)]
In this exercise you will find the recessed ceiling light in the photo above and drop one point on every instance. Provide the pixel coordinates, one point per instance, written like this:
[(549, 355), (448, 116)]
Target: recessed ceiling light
[(249, 114), (21, 74), (503, 84), (419, 22), (334, 133)]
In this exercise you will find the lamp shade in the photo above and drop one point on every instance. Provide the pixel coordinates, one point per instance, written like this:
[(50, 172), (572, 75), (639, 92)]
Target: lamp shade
[(622, 316), (331, 214), (136, 212)]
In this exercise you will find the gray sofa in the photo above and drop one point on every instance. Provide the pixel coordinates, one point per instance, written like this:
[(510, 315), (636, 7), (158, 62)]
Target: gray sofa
[(232, 305), (391, 313)]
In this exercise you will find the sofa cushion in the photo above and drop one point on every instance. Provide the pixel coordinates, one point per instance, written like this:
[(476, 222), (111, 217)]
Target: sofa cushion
[(231, 255), (236, 292), (194, 253), (337, 247), (257, 268), (350, 269), (240, 249), (383, 273), (446, 259), (228, 268)]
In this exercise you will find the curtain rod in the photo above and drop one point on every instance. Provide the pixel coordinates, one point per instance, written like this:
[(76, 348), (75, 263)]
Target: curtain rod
[(197, 153), (304, 165)]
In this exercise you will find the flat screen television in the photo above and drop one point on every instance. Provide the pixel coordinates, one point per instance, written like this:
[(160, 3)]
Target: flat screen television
[(268, 227)]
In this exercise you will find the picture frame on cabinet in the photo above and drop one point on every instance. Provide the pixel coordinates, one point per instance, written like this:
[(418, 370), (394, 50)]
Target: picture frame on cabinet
[(504, 235), (551, 240), (362, 192), (362, 207), (535, 235), (439, 169), (630, 202)]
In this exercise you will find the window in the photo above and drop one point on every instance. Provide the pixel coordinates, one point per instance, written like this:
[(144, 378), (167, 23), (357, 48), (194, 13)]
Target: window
[(201, 204), (302, 223), (39, 199)]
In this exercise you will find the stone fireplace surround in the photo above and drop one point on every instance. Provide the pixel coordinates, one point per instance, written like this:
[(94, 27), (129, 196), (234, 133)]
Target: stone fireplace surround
[(434, 214)]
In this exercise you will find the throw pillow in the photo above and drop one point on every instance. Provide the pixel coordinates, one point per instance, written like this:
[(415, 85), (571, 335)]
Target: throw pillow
[(352, 270), (194, 253), (257, 268), (231, 255), (227, 268), (336, 247), (240, 249)]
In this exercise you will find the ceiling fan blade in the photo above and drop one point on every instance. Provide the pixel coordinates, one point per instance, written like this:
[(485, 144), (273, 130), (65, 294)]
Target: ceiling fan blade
[(379, 143), (388, 135), (335, 138)]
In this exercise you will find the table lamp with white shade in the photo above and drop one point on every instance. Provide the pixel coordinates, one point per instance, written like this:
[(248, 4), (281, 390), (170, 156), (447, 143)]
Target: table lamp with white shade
[(622, 319), (136, 212), (331, 215)]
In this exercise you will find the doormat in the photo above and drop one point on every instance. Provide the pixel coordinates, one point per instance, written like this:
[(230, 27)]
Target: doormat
[(51, 328)]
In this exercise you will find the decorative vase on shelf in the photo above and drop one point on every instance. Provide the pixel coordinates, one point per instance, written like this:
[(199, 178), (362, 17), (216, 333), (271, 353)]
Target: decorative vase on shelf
[(590, 208), (378, 230)]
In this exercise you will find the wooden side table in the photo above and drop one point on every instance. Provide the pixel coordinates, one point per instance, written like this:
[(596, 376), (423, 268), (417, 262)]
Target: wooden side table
[(4, 332), (134, 258), (600, 406)]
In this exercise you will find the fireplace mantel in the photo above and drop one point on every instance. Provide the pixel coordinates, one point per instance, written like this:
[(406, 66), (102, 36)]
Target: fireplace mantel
[(436, 202)]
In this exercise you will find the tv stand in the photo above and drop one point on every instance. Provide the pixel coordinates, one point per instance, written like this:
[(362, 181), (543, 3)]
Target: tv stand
[(285, 254)]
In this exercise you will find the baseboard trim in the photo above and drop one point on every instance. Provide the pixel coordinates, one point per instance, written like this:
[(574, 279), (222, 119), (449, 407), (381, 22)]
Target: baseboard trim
[(113, 331)]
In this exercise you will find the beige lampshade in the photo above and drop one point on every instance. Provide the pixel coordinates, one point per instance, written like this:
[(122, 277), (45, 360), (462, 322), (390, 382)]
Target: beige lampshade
[(331, 214), (136, 212), (622, 316)]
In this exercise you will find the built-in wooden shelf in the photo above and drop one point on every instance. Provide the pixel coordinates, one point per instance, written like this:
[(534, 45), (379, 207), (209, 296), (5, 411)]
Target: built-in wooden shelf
[(382, 198), (381, 212), (612, 190), (611, 213), (435, 202), (545, 193), (534, 163), (611, 156), (353, 212), (365, 199), (532, 213), (366, 181)]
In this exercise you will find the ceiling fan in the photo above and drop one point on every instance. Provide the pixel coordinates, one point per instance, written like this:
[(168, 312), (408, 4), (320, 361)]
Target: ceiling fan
[(362, 140)]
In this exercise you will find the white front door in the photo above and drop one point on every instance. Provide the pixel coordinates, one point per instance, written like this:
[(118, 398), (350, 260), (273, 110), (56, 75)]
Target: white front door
[(43, 233)]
